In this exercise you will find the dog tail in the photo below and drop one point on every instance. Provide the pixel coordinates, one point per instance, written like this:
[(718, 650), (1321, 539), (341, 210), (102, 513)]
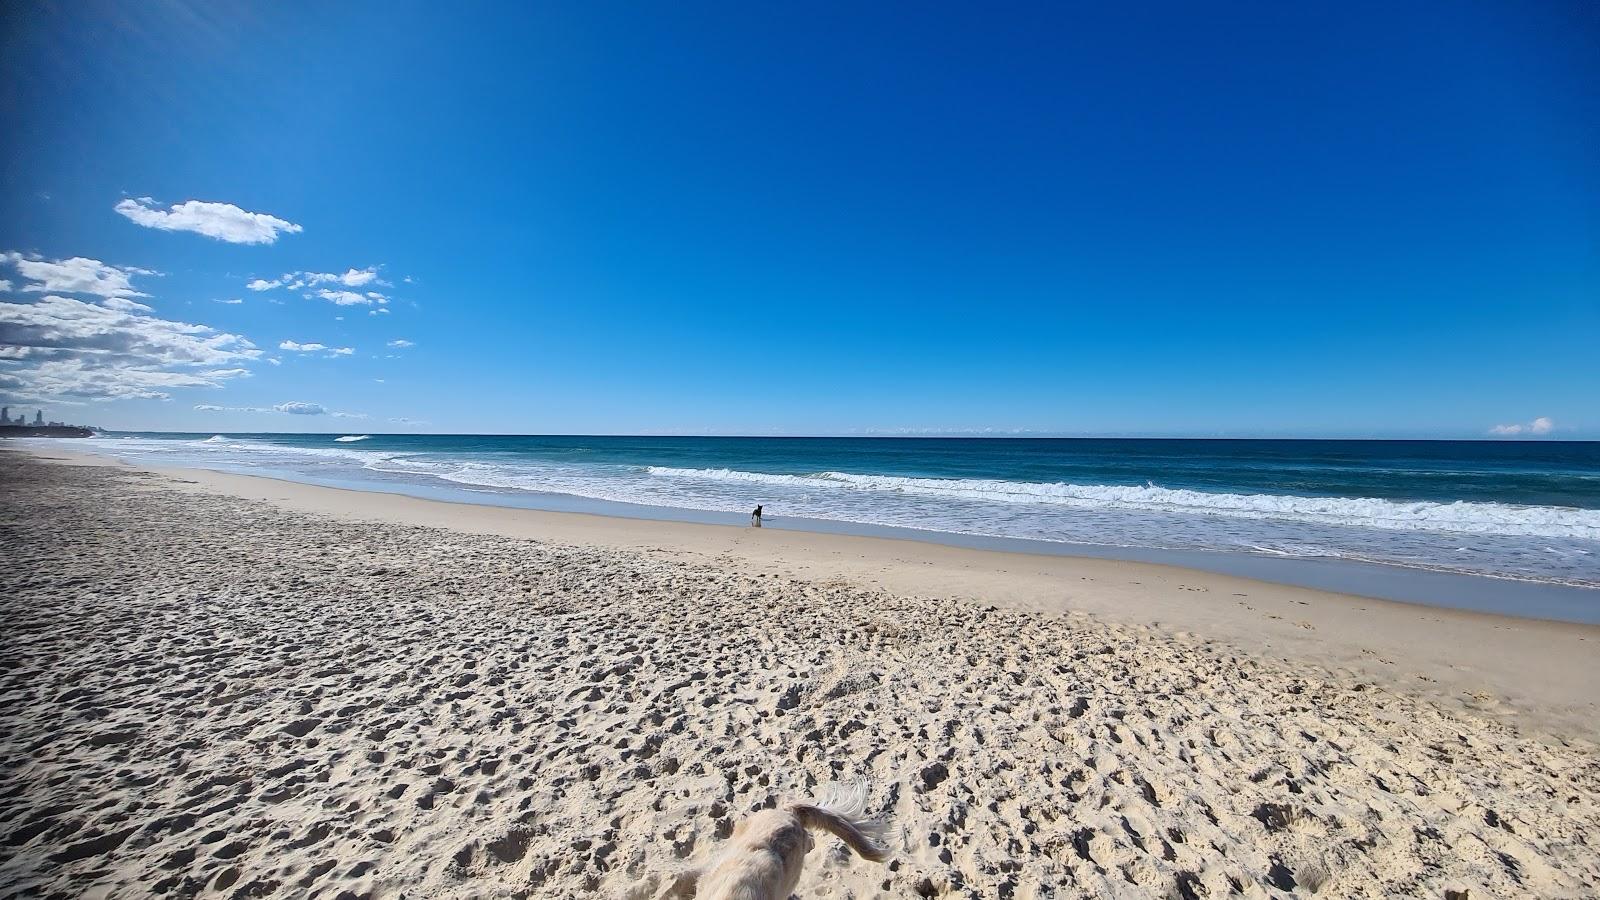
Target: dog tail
[(842, 812)]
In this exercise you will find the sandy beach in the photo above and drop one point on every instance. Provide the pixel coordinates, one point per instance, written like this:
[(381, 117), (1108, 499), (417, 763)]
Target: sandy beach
[(221, 685)]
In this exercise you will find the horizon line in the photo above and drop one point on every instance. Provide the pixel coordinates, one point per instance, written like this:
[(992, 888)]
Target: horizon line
[(1054, 436)]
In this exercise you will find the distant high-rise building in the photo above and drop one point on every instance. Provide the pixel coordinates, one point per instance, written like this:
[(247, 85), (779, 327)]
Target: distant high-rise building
[(5, 415), (38, 417)]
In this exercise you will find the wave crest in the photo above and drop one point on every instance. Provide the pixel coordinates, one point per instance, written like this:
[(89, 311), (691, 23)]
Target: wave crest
[(1399, 515)]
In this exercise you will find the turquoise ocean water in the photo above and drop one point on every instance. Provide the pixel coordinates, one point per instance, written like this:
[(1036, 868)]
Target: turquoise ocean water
[(1528, 511)]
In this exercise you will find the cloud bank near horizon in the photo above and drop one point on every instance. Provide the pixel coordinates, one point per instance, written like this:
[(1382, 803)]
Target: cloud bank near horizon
[(1540, 426), (288, 407)]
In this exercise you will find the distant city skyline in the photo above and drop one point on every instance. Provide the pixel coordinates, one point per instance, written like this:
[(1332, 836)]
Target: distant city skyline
[(1261, 221), (38, 419)]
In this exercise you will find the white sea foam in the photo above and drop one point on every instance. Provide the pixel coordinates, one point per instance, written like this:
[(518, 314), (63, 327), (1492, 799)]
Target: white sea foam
[(221, 448), (1419, 515), (1551, 544), (352, 438)]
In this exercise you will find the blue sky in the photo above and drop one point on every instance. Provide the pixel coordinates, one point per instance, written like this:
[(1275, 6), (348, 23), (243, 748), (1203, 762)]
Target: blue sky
[(1270, 219)]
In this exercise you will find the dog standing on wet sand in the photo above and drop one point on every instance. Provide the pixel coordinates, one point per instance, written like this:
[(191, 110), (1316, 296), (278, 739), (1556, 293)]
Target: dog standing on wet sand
[(764, 857)]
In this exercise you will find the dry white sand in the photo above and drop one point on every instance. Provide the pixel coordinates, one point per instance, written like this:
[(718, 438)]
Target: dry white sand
[(207, 694)]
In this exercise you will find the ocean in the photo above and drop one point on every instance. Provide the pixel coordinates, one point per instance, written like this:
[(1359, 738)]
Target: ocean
[(1528, 511)]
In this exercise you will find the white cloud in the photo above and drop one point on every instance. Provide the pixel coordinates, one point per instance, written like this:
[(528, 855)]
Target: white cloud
[(358, 277), (351, 298), (1541, 425), (298, 408), (4, 285), (295, 281), (313, 347), (234, 301), (79, 381), (332, 287), (124, 304), (408, 421), (58, 326), (401, 343), (60, 349), (351, 277), (78, 275), (274, 360), (222, 221)]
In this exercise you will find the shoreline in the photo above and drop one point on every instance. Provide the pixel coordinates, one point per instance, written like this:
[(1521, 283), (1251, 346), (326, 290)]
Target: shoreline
[(1537, 672), (1426, 585)]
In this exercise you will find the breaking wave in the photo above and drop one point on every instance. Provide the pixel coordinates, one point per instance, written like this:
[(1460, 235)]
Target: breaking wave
[(1460, 516)]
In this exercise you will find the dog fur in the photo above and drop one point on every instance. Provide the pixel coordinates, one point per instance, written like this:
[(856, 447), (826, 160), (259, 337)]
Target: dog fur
[(763, 858)]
